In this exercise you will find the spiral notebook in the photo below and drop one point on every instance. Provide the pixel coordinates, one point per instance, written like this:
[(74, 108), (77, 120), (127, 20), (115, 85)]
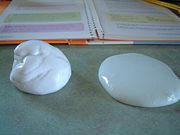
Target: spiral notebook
[(89, 22)]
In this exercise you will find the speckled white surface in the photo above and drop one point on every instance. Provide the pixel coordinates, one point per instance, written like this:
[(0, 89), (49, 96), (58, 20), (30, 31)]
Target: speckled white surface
[(39, 68), (139, 80)]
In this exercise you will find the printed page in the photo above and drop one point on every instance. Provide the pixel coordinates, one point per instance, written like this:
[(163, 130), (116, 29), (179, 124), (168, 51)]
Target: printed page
[(136, 20), (45, 19)]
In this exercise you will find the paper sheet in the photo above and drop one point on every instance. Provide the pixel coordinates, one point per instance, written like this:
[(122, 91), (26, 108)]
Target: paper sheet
[(136, 20), (45, 19)]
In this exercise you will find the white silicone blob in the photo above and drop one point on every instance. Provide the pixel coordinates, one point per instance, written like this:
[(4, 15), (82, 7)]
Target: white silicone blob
[(139, 80), (39, 68)]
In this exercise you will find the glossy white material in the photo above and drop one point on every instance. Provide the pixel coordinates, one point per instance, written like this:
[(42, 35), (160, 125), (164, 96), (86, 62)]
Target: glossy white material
[(139, 80), (39, 68)]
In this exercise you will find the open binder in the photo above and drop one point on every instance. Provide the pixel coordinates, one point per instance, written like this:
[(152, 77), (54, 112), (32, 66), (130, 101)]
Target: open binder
[(88, 22)]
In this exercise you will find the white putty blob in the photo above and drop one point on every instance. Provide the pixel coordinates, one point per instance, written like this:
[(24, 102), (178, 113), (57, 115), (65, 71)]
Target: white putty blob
[(139, 80), (39, 68)]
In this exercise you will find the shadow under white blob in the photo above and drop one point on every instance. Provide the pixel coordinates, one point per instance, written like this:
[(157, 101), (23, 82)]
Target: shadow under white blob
[(39, 68), (139, 80)]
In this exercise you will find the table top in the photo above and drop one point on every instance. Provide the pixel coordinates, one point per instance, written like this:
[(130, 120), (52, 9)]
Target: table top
[(83, 107)]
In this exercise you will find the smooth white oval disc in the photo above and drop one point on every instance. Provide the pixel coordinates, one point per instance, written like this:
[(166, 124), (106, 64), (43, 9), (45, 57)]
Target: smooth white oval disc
[(139, 80)]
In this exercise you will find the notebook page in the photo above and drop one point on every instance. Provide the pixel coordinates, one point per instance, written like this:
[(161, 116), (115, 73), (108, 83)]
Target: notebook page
[(136, 20), (45, 19)]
